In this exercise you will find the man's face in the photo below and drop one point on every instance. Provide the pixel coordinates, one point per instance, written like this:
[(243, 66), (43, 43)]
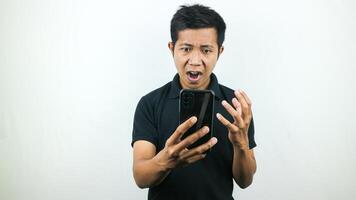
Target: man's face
[(195, 55)]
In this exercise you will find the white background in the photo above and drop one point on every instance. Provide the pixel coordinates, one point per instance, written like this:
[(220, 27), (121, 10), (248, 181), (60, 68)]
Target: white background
[(72, 72)]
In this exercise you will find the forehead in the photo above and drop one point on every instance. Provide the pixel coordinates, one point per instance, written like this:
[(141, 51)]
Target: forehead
[(198, 36)]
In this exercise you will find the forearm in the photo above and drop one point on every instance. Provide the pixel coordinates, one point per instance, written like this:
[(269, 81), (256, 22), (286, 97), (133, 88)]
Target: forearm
[(148, 173), (244, 166)]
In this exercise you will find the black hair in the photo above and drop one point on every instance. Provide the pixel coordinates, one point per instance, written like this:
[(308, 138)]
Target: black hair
[(197, 16)]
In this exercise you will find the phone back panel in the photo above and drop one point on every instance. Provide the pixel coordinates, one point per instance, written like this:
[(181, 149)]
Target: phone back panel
[(199, 103)]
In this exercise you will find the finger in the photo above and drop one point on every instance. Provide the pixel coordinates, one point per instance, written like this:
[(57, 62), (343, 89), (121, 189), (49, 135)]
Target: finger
[(232, 128), (246, 109), (200, 149), (184, 151), (191, 139), (181, 129), (195, 158), (232, 112), (237, 105), (248, 100)]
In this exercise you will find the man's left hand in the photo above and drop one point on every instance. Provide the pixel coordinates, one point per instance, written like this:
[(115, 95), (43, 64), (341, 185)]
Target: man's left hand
[(242, 115)]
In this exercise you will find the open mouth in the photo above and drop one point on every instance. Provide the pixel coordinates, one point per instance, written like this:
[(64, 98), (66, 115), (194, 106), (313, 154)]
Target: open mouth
[(194, 76)]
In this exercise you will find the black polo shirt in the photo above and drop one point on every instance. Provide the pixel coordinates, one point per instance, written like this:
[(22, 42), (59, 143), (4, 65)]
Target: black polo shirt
[(157, 117)]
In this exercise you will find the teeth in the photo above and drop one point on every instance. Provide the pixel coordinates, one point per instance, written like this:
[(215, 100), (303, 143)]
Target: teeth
[(194, 73)]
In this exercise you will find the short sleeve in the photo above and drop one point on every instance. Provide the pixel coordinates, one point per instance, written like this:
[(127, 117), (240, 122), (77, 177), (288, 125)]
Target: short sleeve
[(144, 127), (251, 135)]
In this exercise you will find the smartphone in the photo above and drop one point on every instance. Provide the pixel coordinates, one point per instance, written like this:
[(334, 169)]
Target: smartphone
[(199, 103)]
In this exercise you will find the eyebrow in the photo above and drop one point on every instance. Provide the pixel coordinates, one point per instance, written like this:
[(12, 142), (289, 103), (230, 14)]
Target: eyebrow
[(186, 44), (207, 45), (190, 45)]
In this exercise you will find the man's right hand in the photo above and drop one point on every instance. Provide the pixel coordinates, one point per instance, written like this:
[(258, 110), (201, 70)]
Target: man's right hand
[(151, 168), (176, 153)]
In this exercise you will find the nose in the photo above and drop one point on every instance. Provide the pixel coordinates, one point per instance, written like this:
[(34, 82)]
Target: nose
[(195, 59)]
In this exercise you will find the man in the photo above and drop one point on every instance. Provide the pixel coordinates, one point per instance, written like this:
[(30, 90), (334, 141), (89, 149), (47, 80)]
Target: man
[(161, 160)]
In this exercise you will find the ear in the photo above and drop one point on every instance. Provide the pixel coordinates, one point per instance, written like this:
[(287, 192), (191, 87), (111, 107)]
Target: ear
[(220, 51), (171, 47)]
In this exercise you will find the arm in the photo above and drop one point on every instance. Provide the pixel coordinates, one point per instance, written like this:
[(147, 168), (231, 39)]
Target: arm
[(244, 162), (243, 167), (147, 172), (151, 169)]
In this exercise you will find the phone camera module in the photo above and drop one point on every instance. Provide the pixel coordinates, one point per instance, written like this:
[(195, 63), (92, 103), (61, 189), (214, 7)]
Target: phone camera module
[(188, 99)]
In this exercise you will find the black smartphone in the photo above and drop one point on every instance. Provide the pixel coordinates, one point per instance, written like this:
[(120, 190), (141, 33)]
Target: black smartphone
[(199, 103)]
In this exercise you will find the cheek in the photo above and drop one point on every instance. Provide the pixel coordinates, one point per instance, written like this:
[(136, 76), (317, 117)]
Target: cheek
[(211, 64), (180, 61)]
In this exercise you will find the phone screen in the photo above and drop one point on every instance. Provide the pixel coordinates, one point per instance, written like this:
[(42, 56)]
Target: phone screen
[(199, 103)]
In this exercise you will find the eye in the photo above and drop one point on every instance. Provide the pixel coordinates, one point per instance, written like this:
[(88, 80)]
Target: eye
[(186, 49), (206, 50)]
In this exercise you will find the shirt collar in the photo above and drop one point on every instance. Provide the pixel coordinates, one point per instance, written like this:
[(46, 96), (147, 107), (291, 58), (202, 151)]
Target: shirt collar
[(213, 85)]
